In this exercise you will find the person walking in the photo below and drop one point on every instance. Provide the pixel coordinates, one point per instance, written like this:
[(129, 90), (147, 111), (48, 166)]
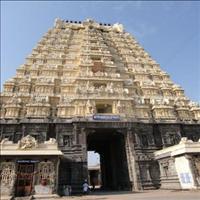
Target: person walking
[(85, 187)]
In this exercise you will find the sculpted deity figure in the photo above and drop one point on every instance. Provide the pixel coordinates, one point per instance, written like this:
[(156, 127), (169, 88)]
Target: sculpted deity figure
[(102, 88), (126, 90), (87, 71), (6, 141), (97, 73), (166, 101), (51, 141), (14, 100), (118, 75), (105, 74), (91, 73), (109, 88), (78, 90), (46, 173), (27, 142), (91, 89), (89, 107), (185, 140), (118, 107), (87, 85)]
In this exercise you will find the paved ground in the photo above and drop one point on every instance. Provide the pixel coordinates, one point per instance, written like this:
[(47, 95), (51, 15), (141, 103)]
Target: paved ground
[(150, 195)]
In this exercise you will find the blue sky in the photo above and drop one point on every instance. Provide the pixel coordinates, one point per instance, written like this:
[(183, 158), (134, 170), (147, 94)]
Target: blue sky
[(169, 31)]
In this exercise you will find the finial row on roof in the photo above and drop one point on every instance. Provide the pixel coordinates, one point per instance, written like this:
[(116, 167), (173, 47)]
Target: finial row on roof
[(58, 20), (87, 20)]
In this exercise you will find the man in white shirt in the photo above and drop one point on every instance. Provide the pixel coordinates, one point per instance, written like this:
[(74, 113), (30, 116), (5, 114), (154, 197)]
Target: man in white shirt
[(85, 187)]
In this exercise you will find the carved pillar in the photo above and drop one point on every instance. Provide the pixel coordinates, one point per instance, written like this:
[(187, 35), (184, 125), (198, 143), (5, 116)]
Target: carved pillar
[(23, 130), (8, 177), (132, 164), (84, 134), (75, 134), (84, 143), (57, 175)]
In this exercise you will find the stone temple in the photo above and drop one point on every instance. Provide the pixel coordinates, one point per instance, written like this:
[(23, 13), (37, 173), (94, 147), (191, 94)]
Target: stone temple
[(89, 86)]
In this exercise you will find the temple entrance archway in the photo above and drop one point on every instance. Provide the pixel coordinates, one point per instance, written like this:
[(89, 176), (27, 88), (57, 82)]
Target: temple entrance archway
[(110, 144)]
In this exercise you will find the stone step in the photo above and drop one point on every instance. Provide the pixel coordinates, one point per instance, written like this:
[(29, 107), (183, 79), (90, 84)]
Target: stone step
[(24, 198), (2, 197), (46, 197)]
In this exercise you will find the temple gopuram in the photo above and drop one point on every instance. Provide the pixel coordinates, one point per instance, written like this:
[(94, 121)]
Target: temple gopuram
[(89, 86)]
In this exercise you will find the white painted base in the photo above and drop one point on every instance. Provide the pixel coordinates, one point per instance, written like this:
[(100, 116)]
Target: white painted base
[(5, 197), (45, 196), (184, 172)]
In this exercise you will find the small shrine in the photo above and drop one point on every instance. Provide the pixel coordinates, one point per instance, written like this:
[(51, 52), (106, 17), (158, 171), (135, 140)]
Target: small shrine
[(180, 165), (29, 168)]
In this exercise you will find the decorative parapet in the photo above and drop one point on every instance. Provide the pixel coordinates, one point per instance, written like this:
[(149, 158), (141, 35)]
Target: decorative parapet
[(29, 146), (12, 107), (163, 112), (9, 86), (185, 146), (184, 113), (66, 111), (38, 107), (65, 107), (178, 90), (143, 111), (196, 112)]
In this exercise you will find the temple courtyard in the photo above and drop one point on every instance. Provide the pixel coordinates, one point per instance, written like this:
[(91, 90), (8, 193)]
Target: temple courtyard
[(148, 194)]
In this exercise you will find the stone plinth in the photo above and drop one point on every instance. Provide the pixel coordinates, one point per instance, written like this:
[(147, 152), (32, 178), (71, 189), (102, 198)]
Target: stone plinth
[(177, 165)]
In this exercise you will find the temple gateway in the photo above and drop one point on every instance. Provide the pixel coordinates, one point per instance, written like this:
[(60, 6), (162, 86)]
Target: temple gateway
[(89, 86)]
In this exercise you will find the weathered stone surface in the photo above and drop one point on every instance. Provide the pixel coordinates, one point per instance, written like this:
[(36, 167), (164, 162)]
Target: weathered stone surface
[(93, 87)]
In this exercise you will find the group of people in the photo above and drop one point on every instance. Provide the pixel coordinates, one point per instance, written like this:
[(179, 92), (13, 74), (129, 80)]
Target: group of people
[(85, 186)]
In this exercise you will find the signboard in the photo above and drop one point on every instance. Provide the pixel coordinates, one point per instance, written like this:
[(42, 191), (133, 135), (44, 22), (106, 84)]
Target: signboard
[(185, 178), (106, 117), (27, 161), (184, 172)]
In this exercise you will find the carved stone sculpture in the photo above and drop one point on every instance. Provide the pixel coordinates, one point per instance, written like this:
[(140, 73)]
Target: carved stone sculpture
[(27, 142), (46, 172), (7, 178)]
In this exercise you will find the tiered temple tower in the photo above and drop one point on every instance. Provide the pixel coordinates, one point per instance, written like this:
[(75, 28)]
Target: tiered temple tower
[(86, 80), (79, 69)]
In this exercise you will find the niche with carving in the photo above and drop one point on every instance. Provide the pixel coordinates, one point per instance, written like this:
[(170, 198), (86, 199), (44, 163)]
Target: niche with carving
[(46, 173), (7, 177)]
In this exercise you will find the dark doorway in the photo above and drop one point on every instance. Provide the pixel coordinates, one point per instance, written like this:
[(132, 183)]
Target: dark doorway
[(110, 145), (24, 181)]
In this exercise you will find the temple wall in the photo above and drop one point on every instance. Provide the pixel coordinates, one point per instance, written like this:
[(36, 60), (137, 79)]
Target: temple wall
[(144, 140)]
